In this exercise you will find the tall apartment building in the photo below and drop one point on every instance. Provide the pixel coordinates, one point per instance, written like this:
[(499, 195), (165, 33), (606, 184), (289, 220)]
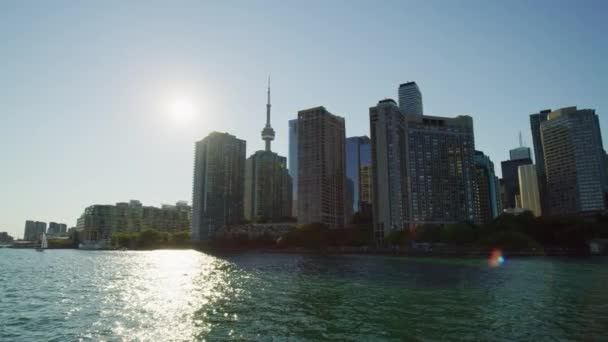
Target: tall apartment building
[(358, 173), (441, 169), (486, 188), (33, 230), (219, 184), (410, 99), (267, 181), (267, 187), (99, 222), (321, 168), (389, 169), (528, 189), (293, 164), (574, 161)]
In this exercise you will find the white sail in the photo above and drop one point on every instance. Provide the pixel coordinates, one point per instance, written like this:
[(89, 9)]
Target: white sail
[(44, 242)]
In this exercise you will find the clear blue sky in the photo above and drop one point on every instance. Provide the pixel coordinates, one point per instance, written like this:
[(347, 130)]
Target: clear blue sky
[(85, 84)]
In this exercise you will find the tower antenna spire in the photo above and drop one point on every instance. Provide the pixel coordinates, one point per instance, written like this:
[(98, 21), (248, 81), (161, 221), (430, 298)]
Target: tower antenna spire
[(268, 132), (521, 142)]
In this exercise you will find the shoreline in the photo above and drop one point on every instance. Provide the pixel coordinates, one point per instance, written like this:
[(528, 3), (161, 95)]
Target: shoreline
[(446, 253), (401, 253)]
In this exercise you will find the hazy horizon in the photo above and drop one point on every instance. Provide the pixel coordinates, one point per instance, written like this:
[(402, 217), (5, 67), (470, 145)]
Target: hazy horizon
[(88, 88)]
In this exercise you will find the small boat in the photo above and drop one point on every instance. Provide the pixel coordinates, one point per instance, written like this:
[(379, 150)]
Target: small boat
[(43, 245)]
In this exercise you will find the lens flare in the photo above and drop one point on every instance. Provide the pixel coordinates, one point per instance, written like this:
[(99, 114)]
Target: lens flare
[(496, 258)]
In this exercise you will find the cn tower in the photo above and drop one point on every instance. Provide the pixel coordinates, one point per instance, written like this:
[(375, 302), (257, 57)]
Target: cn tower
[(268, 132)]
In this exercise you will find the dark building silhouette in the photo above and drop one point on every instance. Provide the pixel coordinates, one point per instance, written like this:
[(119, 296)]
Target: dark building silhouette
[(219, 183), (321, 168), (574, 162), (539, 154), (410, 99), (441, 169), (389, 169), (293, 164), (510, 180), (487, 190), (358, 175)]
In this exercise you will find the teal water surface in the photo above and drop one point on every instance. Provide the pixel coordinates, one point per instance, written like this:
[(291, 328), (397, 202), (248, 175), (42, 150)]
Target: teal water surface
[(67, 295)]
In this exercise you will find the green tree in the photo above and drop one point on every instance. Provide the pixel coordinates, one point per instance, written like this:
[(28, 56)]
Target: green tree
[(397, 238), (149, 238)]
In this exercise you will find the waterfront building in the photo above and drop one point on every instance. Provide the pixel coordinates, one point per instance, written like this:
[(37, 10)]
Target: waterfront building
[(410, 99), (219, 183), (5, 238), (56, 228), (293, 164), (358, 173), (53, 228), (33, 230), (574, 161), (267, 181), (441, 169), (389, 169), (486, 189), (321, 168), (529, 195), (99, 222)]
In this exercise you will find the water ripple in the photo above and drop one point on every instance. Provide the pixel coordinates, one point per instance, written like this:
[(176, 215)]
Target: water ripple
[(186, 295)]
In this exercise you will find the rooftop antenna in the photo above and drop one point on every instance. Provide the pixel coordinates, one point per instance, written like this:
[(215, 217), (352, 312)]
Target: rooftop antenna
[(521, 142)]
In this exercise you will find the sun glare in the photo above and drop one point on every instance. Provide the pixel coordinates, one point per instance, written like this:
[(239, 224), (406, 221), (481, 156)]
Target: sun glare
[(182, 109)]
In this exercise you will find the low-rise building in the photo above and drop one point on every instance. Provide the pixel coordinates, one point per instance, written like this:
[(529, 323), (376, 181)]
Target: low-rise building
[(99, 222), (5, 238)]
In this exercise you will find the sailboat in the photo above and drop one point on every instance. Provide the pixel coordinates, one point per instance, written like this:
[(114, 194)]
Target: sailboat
[(44, 244)]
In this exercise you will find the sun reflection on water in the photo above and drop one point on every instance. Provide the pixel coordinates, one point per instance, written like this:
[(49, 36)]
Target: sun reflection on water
[(158, 295)]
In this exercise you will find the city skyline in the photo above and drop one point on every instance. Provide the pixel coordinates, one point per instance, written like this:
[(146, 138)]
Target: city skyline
[(57, 131)]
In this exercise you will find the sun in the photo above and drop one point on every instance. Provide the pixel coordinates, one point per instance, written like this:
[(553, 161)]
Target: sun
[(182, 109)]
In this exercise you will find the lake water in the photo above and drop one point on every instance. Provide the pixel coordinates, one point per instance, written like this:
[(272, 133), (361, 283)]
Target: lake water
[(66, 295)]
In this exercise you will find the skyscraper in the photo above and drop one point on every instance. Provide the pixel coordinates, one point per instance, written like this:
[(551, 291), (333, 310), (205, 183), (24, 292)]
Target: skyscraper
[(518, 156), (293, 164), (441, 169), (574, 162), (218, 186), (511, 180), (267, 182), (528, 189), (389, 169), (487, 192), (267, 187), (358, 162), (520, 153), (410, 99), (539, 154), (321, 167)]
